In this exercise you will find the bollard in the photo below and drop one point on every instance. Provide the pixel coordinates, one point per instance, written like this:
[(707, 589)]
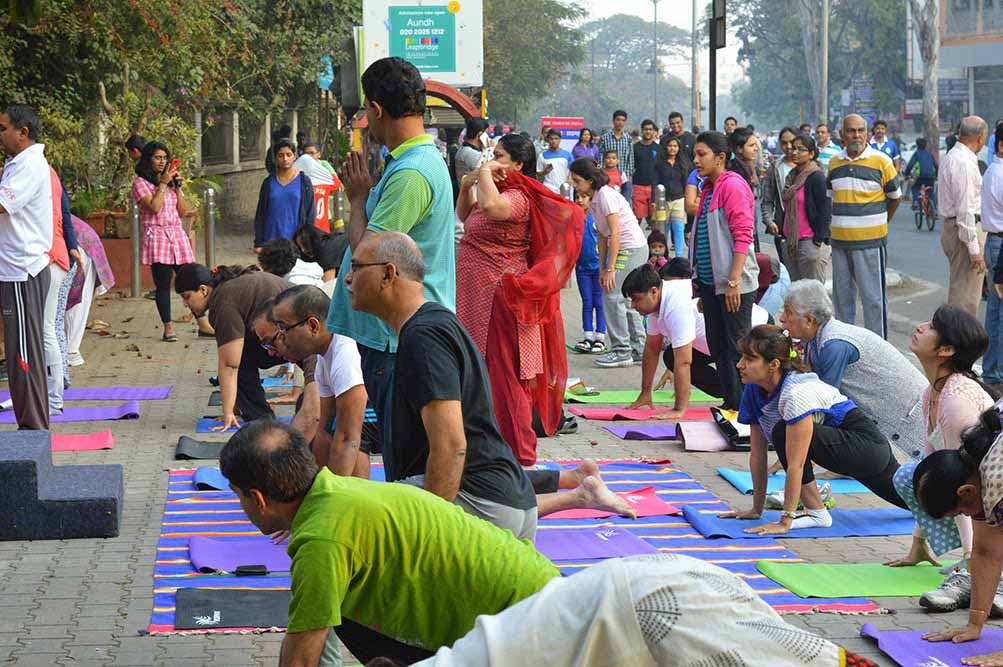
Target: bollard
[(339, 211), (661, 208), (137, 276), (566, 190), (209, 203)]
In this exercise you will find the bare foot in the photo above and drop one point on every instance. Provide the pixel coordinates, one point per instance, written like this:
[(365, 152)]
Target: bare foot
[(828, 474), (587, 468), (597, 496), (286, 398), (775, 468)]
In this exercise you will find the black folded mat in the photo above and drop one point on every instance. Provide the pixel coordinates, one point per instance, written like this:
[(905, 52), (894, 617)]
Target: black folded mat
[(190, 448), (209, 608), (216, 399)]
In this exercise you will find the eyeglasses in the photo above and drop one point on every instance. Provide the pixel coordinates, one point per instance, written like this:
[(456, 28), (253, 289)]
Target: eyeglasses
[(283, 329), (355, 266), (268, 346), (800, 149)]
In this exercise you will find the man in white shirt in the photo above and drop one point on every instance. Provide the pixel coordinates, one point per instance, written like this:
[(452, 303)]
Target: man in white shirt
[(26, 225), (300, 314), (959, 184), (553, 164), (667, 302), (992, 223)]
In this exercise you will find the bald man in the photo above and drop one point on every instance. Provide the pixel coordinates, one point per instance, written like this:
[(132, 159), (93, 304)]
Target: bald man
[(443, 434), (959, 187), (865, 193)]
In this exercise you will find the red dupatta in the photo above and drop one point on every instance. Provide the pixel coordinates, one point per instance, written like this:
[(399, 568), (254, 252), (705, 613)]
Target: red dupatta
[(534, 298)]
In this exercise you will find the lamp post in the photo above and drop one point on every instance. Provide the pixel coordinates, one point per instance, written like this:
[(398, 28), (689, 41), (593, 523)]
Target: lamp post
[(654, 56)]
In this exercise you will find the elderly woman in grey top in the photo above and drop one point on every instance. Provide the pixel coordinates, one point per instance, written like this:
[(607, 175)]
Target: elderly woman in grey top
[(862, 365)]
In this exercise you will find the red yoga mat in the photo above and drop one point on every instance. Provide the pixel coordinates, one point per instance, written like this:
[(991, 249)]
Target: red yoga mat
[(614, 414), (644, 501), (79, 442)]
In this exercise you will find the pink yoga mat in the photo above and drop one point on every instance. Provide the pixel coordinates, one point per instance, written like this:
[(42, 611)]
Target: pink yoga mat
[(644, 501), (644, 432), (588, 543), (909, 649), (209, 555), (79, 442), (110, 394), (127, 410), (614, 414)]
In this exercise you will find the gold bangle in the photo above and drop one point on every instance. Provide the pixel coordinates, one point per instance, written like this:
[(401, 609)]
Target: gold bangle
[(979, 611)]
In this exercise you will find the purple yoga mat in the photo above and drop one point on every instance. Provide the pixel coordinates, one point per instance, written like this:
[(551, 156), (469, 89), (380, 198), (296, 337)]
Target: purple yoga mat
[(909, 649), (127, 410), (208, 555), (588, 543), (110, 394), (644, 431)]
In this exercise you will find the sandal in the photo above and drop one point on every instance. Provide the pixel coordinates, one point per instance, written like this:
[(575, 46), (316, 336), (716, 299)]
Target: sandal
[(583, 346), (169, 339), (598, 347)]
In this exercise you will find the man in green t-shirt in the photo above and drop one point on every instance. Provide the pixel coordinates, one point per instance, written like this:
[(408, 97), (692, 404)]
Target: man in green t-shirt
[(397, 571)]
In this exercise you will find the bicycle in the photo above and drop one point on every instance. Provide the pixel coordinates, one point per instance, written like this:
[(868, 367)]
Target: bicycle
[(925, 210)]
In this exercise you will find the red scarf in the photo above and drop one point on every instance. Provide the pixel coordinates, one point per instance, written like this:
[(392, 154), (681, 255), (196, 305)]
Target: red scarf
[(534, 298)]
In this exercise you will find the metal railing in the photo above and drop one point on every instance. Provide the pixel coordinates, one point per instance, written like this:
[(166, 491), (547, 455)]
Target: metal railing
[(137, 276), (209, 203), (661, 207), (339, 210)]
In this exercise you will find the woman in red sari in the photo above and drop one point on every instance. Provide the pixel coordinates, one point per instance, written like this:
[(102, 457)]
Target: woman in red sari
[(520, 245)]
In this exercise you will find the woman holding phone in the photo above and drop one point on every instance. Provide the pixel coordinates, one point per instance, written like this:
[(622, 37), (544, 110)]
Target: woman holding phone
[(157, 191)]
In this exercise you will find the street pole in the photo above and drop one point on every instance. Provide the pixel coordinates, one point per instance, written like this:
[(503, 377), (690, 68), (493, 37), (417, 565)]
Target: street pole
[(712, 81), (654, 57), (695, 69), (824, 108)]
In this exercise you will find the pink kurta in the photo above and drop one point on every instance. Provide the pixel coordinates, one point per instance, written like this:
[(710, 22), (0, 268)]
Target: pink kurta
[(490, 249)]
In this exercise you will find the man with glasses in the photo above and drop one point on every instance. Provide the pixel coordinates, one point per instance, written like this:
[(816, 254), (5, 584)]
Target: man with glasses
[(865, 194), (298, 316)]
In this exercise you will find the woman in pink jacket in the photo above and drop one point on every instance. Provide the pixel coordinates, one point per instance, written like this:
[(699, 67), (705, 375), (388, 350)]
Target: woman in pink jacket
[(724, 269)]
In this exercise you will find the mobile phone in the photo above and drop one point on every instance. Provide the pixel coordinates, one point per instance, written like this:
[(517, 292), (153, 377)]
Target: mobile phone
[(174, 166)]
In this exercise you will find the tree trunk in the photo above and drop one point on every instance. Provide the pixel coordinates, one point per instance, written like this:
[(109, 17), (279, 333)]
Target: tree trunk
[(810, 13), (926, 18)]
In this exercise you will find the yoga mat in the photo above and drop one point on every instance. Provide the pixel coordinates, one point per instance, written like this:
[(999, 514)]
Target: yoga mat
[(210, 478), (79, 442), (127, 410), (190, 448), (742, 481), (845, 523), (203, 608), (272, 382), (909, 649), (216, 399), (866, 580), (644, 501), (613, 414), (673, 534), (703, 436), (601, 542), (209, 555), (205, 424), (628, 396), (110, 394), (644, 432)]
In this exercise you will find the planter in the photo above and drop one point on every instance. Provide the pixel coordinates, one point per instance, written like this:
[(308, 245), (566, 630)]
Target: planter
[(119, 252), (98, 221)]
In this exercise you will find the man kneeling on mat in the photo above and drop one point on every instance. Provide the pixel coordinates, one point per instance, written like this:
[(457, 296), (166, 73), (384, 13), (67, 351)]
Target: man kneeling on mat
[(443, 433), (373, 555), (642, 611), (667, 302), (807, 421)]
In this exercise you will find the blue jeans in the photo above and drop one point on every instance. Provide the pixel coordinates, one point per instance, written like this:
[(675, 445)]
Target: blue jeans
[(591, 291), (378, 376), (679, 237), (992, 362)]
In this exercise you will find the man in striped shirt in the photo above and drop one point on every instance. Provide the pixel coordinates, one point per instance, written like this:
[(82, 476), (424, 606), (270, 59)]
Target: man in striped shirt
[(618, 139), (864, 195), (827, 149)]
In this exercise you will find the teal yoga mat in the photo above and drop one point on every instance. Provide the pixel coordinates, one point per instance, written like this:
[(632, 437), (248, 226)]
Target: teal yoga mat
[(742, 481)]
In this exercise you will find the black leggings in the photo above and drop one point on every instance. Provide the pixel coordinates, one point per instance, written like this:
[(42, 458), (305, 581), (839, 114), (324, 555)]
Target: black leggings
[(251, 400), (703, 375), (724, 329), (856, 448), (366, 644), (163, 275)]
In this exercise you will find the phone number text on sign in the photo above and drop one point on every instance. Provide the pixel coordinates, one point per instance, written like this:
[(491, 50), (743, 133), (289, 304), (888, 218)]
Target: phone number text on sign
[(424, 35)]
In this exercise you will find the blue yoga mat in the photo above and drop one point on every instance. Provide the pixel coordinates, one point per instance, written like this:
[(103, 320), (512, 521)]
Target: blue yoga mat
[(743, 482), (205, 424), (845, 523), (209, 478)]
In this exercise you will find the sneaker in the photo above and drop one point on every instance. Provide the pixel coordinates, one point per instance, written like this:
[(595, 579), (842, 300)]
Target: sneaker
[(828, 500), (568, 425), (599, 347), (614, 360), (583, 346), (954, 593), (775, 500), (996, 610)]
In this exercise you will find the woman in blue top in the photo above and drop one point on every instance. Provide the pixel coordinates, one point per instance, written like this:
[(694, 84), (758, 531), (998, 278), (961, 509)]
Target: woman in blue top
[(285, 201), (807, 421)]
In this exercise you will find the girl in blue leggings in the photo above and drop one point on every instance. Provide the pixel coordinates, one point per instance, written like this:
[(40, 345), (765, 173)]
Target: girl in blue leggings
[(587, 275)]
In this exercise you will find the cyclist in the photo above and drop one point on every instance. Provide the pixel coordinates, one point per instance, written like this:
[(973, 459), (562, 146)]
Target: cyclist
[(925, 166)]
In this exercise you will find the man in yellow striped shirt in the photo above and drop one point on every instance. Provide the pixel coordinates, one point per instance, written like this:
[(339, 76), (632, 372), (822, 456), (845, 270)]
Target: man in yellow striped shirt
[(865, 194)]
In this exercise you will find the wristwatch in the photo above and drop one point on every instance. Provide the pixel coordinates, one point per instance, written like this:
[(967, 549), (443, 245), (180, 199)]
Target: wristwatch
[(733, 283), (789, 515)]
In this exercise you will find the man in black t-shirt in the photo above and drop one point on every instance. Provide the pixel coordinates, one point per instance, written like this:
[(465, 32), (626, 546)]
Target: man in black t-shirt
[(443, 434)]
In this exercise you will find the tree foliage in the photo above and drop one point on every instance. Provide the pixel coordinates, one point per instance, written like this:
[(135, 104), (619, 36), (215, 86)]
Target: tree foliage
[(616, 73), (867, 41), (528, 46)]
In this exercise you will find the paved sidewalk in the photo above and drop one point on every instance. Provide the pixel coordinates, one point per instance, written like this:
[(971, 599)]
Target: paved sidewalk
[(85, 602)]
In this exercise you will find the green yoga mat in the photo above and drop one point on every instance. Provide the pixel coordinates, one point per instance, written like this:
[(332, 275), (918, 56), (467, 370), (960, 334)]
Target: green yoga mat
[(866, 580), (630, 395)]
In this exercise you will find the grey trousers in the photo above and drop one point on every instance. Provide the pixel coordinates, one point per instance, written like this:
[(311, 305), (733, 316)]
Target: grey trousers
[(521, 523), (624, 327), (809, 262), (860, 270)]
